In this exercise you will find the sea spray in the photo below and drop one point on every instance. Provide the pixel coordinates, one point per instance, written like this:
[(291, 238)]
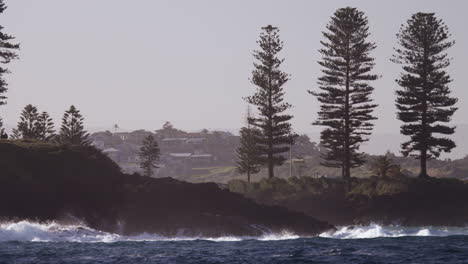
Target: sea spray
[(375, 231), (54, 232)]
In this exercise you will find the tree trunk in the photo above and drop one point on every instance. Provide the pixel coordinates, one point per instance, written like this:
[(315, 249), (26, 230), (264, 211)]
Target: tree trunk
[(271, 173), (347, 156), (423, 173), (270, 128)]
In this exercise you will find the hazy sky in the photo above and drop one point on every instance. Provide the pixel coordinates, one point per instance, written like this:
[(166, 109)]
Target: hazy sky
[(139, 63)]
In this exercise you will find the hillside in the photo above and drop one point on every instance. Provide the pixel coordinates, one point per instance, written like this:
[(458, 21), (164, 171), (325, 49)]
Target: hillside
[(400, 200), (48, 182)]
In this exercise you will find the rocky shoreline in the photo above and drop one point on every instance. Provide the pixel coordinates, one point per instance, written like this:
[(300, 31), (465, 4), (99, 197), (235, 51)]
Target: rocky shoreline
[(45, 182)]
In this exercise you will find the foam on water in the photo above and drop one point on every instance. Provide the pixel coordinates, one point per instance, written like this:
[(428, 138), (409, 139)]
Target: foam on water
[(375, 230), (54, 232)]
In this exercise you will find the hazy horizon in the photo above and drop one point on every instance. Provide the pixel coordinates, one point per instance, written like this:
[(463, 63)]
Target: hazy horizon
[(141, 64)]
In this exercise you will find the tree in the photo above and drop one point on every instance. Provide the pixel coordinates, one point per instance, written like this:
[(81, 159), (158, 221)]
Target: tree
[(45, 127), (346, 107), (424, 103), (168, 131), (276, 134), (72, 131), (7, 54), (384, 166), (149, 155), (27, 127), (3, 134), (248, 152)]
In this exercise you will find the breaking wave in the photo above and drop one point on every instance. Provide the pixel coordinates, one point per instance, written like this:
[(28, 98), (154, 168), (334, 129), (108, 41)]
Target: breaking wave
[(375, 230), (54, 232)]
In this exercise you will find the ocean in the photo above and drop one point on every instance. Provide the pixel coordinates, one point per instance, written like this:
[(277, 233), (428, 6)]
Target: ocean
[(29, 242)]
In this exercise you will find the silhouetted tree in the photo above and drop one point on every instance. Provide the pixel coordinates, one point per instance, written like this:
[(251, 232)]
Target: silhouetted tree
[(276, 135), (72, 131), (149, 155), (424, 102), (168, 131), (3, 134), (384, 166), (6, 54), (45, 127), (27, 127), (248, 152), (346, 108)]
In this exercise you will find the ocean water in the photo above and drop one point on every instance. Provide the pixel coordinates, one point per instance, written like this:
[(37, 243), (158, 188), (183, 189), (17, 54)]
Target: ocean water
[(28, 242)]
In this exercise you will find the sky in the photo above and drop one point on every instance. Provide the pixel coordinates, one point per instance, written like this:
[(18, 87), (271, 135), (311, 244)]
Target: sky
[(143, 62)]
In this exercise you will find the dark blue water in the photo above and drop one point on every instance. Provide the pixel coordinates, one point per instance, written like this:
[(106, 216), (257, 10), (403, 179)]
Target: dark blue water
[(28, 242), (452, 249)]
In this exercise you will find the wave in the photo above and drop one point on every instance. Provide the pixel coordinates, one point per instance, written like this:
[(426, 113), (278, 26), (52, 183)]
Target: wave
[(375, 231), (55, 232)]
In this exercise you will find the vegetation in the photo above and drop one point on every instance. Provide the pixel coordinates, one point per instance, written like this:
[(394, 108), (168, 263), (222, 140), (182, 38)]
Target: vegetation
[(424, 102), (3, 134), (383, 166), (7, 54), (346, 108), (45, 127), (149, 155), (248, 152), (28, 126), (48, 182), (403, 200), (72, 131), (276, 133)]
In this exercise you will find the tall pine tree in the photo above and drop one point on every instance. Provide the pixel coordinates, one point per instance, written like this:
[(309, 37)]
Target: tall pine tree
[(276, 135), (27, 127), (248, 153), (7, 54), (3, 134), (149, 155), (45, 127), (72, 131), (424, 102), (345, 89)]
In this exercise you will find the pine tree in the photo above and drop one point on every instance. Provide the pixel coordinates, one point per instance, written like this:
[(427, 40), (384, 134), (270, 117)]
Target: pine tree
[(72, 131), (45, 127), (248, 153), (27, 127), (3, 134), (424, 103), (345, 89), (7, 54), (276, 134), (149, 155), (384, 166)]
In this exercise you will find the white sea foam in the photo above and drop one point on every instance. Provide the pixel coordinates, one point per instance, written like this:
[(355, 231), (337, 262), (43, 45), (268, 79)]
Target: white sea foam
[(54, 232), (375, 230)]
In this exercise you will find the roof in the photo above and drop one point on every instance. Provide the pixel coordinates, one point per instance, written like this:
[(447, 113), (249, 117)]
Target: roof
[(202, 156), (196, 139), (180, 155), (109, 150), (174, 139)]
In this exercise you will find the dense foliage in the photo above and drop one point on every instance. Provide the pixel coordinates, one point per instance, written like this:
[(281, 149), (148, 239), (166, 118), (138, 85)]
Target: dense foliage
[(7, 54), (346, 107), (72, 131), (424, 102), (276, 133), (149, 155)]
